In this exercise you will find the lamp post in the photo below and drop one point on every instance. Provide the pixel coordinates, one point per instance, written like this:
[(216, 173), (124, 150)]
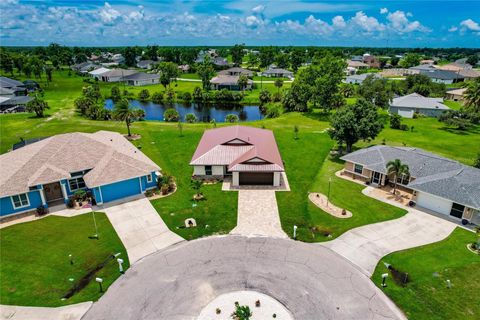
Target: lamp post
[(295, 232), (71, 258), (95, 224), (384, 278), (120, 266), (328, 195), (99, 281)]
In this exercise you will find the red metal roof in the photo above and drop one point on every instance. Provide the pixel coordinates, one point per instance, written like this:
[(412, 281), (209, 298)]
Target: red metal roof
[(240, 145)]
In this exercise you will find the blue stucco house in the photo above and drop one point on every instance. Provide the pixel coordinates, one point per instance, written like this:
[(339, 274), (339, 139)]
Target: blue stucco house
[(49, 171)]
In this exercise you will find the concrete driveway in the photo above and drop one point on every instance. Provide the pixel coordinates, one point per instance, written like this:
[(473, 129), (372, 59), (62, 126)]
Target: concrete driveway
[(140, 227), (312, 282), (258, 214), (365, 246)]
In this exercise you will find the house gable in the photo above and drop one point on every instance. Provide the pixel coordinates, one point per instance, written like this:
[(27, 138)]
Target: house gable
[(236, 141), (255, 160)]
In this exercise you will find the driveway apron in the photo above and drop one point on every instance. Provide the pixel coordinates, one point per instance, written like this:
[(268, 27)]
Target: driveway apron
[(258, 214), (140, 228)]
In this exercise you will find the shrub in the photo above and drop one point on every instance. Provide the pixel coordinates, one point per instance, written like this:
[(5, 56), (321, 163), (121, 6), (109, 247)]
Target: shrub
[(277, 97), (187, 97), (41, 211), (190, 118), (395, 121), (171, 115), (157, 97), (115, 94), (231, 118), (80, 194), (197, 94), (264, 96), (403, 127), (272, 110), (70, 203), (170, 95), (144, 95)]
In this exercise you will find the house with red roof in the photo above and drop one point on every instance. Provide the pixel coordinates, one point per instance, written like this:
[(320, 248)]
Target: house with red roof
[(248, 155)]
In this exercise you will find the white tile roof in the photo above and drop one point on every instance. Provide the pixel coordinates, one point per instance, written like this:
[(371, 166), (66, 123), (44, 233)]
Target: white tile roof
[(415, 100), (108, 155)]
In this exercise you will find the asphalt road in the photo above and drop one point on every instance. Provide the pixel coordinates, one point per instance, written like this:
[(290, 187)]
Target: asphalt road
[(311, 281)]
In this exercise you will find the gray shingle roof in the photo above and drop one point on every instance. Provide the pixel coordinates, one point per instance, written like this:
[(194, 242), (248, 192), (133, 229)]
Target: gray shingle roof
[(441, 74), (10, 83), (141, 76), (433, 174), (415, 100)]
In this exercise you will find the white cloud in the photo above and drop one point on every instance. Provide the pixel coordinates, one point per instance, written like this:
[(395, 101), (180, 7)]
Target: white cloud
[(367, 23), (108, 14), (258, 9), (400, 23), (383, 10), (470, 25), (253, 21), (339, 22), (452, 29)]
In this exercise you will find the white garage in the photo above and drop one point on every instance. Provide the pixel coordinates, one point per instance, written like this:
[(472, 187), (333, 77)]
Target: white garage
[(434, 203)]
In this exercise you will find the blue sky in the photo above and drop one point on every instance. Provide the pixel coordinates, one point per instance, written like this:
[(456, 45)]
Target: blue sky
[(383, 23)]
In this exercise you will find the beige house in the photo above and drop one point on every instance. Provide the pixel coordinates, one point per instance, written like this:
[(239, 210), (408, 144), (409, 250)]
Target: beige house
[(436, 183), (455, 95)]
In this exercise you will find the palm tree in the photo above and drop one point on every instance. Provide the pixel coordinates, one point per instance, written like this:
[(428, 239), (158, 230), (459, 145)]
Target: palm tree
[(278, 83), (397, 168), (472, 96), (124, 112)]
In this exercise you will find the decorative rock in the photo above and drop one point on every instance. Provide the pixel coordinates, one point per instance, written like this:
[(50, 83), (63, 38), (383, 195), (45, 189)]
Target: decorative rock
[(190, 223)]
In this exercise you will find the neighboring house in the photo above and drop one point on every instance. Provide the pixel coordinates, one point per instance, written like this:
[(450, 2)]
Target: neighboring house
[(97, 73), (455, 66), (49, 171), (408, 105), (184, 68), (116, 75), (371, 61), (228, 82), (249, 155), (357, 64), (438, 184), (118, 58), (456, 94), (359, 78), (10, 87), (427, 61), (357, 58), (277, 73), (142, 79), (443, 76), (14, 104), (236, 71), (423, 67), (84, 67), (145, 64), (469, 74)]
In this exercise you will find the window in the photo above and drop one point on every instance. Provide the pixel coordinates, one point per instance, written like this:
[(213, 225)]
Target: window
[(404, 179), (457, 210), (76, 183), (149, 178), (358, 168), (208, 170), (20, 201)]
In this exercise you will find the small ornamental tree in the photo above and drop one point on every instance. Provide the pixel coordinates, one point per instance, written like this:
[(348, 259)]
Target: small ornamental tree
[(171, 115), (395, 121), (190, 118), (232, 118), (157, 97), (38, 106), (144, 95), (115, 94)]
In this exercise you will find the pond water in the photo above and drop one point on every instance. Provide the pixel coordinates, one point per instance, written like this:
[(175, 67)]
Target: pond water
[(204, 112)]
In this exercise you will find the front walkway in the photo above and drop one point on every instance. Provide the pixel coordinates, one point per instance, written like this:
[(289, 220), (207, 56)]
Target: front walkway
[(366, 245), (139, 226), (258, 214), (71, 312)]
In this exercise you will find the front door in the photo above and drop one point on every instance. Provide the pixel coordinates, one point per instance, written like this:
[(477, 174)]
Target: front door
[(377, 176), (53, 191)]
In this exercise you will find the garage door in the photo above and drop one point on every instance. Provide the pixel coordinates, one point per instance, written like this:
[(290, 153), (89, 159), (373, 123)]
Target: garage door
[(406, 113), (256, 178), (434, 203), (120, 190)]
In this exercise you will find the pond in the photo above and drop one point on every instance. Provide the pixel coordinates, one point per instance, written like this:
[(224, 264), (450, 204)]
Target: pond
[(204, 112)]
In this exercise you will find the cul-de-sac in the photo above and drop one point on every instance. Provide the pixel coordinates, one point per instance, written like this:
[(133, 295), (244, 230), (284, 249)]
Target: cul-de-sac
[(239, 160)]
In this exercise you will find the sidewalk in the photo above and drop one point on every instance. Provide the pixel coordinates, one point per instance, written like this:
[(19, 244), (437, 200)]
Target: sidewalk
[(71, 312)]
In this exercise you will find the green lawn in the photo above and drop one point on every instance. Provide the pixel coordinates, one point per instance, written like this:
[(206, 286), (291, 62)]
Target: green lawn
[(426, 296), (35, 267), (432, 135), (455, 105)]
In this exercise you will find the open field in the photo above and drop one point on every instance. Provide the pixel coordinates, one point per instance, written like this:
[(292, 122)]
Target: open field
[(35, 268), (426, 296)]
